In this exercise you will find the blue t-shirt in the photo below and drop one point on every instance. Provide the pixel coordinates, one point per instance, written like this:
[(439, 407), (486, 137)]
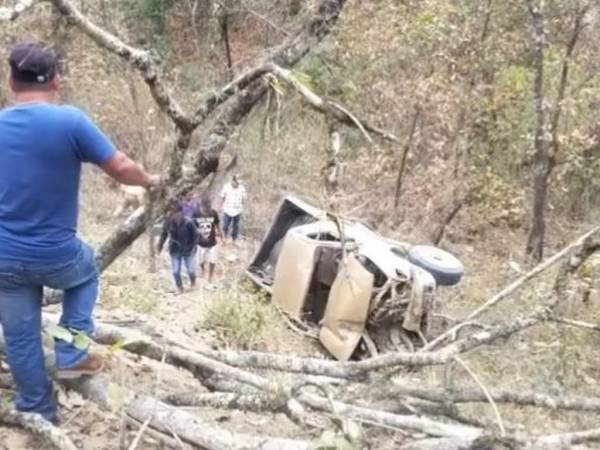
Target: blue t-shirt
[(42, 147)]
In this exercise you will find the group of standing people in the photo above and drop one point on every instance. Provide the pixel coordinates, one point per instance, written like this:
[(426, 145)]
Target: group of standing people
[(194, 230)]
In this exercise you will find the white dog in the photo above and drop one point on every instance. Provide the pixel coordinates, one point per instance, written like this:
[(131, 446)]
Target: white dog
[(132, 198), (135, 196)]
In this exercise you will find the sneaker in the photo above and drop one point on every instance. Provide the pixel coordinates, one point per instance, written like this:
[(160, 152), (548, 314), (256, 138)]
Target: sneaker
[(91, 366)]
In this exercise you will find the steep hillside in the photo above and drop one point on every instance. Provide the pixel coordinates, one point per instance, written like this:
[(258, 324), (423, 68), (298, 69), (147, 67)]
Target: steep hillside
[(453, 84)]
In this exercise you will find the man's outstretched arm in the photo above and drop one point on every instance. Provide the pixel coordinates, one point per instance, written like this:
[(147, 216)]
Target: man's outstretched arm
[(125, 171)]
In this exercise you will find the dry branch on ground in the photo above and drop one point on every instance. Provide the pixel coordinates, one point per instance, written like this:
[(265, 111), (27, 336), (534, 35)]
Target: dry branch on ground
[(189, 428), (201, 360), (53, 436), (465, 395), (511, 288)]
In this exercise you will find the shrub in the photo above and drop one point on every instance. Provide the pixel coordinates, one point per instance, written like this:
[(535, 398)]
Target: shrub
[(497, 200), (240, 319)]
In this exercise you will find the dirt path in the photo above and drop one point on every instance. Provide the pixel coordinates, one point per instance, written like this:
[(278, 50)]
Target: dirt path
[(136, 298)]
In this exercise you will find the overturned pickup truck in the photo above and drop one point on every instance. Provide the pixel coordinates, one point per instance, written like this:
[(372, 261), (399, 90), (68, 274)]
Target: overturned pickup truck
[(352, 282)]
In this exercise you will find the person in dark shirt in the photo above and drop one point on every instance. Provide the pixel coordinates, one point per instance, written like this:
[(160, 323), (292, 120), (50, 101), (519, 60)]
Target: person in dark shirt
[(183, 237), (209, 229), (190, 206)]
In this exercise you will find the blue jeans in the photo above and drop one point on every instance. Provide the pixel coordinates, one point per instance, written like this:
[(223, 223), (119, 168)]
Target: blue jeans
[(21, 290), (177, 260), (232, 222)]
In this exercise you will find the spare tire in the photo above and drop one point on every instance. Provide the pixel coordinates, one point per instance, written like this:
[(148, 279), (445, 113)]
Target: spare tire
[(445, 268)]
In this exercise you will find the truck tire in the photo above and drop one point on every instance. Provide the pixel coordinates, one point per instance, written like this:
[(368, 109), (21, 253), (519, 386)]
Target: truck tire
[(446, 269)]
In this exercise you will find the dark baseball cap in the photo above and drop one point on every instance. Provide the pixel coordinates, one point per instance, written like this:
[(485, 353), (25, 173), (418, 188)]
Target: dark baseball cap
[(32, 62)]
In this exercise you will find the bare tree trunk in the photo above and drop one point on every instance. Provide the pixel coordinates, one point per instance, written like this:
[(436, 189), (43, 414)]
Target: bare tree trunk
[(332, 169), (224, 22), (407, 148), (564, 80), (145, 150), (61, 38), (545, 152), (541, 161), (439, 233), (3, 98), (449, 211)]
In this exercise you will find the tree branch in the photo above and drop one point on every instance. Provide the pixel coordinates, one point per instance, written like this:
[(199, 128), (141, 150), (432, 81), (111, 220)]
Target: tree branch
[(329, 107), (204, 360), (566, 440), (508, 290), (405, 422), (465, 395), (139, 59), (225, 400), (405, 152), (578, 27)]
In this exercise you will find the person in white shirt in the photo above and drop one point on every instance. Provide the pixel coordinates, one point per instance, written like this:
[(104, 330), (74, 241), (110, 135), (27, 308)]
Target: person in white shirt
[(233, 198)]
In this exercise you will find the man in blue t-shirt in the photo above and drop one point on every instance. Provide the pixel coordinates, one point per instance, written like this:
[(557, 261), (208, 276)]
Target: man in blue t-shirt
[(42, 148)]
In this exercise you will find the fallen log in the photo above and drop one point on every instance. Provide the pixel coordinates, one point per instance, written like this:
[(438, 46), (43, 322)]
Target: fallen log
[(161, 416), (186, 426), (439, 444), (197, 363), (201, 361), (566, 440), (167, 419), (576, 323), (457, 395), (388, 420), (489, 442), (570, 266), (225, 400), (36, 424), (165, 440)]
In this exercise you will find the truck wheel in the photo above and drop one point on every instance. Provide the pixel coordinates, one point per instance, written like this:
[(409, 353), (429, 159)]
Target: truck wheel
[(446, 269)]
